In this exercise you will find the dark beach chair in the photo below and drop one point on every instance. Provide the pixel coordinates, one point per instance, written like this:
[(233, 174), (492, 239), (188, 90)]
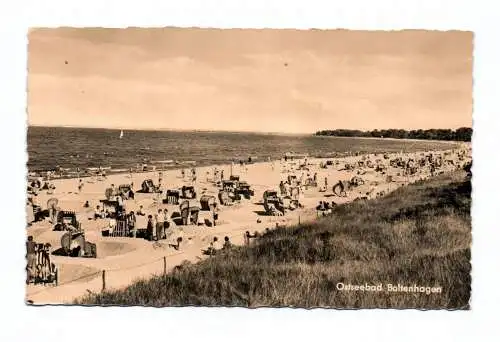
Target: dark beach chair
[(184, 209)]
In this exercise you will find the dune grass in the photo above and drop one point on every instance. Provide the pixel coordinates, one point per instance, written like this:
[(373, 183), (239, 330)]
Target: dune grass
[(419, 234)]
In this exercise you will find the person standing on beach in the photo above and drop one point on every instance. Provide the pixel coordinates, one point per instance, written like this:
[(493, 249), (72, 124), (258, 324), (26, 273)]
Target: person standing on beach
[(52, 214), (37, 209), (119, 201), (124, 203), (193, 173), (282, 189), (287, 188), (112, 225), (159, 224), (150, 228), (227, 244), (131, 224), (215, 214), (166, 221), (31, 258), (160, 179)]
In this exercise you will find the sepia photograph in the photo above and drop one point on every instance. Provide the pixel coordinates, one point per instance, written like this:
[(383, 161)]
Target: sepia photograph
[(249, 168)]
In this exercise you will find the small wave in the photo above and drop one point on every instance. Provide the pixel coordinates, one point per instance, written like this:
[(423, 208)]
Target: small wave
[(162, 162), (97, 168), (187, 162)]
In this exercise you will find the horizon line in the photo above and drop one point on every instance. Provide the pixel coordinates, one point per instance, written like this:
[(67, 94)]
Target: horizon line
[(169, 129), (231, 131)]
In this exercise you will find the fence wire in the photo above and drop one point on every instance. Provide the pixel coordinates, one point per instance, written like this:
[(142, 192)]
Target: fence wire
[(117, 269)]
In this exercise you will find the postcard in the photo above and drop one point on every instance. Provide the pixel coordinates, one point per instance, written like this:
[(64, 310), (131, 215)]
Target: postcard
[(250, 168)]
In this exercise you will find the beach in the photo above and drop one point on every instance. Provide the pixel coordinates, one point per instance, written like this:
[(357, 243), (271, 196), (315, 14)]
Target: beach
[(125, 259)]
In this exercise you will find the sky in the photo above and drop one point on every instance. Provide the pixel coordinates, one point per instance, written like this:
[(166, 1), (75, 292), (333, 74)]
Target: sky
[(287, 81)]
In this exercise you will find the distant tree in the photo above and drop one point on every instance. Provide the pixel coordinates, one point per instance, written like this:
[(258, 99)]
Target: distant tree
[(461, 134)]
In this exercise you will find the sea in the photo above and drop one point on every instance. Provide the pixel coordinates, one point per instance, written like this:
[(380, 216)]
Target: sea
[(80, 148)]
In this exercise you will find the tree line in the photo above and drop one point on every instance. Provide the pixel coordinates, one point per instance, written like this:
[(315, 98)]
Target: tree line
[(460, 134)]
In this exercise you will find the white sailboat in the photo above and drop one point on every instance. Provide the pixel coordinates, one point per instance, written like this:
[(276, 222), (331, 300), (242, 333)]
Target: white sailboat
[(121, 134)]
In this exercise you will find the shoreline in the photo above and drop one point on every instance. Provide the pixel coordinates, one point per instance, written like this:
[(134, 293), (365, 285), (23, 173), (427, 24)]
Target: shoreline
[(178, 167)]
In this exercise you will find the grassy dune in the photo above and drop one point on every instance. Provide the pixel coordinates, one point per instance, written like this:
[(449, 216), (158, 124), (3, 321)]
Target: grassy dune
[(419, 234)]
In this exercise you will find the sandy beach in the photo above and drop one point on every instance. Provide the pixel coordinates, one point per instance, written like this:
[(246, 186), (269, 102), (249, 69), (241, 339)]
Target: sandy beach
[(126, 259)]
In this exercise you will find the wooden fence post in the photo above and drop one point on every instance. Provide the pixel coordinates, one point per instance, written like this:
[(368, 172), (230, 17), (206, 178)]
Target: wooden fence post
[(103, 280), (165, 267)]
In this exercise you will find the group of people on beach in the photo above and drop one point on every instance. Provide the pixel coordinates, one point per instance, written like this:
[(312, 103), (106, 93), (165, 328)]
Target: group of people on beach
[(39, 268), (214, 246), (191, 173), (155, 227), (34, 188)]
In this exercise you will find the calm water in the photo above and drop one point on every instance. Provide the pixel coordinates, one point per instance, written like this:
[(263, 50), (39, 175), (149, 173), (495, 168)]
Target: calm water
[(50, 147)]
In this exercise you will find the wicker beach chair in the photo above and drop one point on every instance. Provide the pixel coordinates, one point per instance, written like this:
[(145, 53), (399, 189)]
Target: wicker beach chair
[(207, 202), (340, 189), (229, 185), (125, 190), (356, 181), (273, 205), (109, 193), (172, 197), (194, 213), (148, 186), (122, 228), (188, 192), (244, 189), (74, 244), (68, 217), (184, 209), (224, 198), (52, 208)]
